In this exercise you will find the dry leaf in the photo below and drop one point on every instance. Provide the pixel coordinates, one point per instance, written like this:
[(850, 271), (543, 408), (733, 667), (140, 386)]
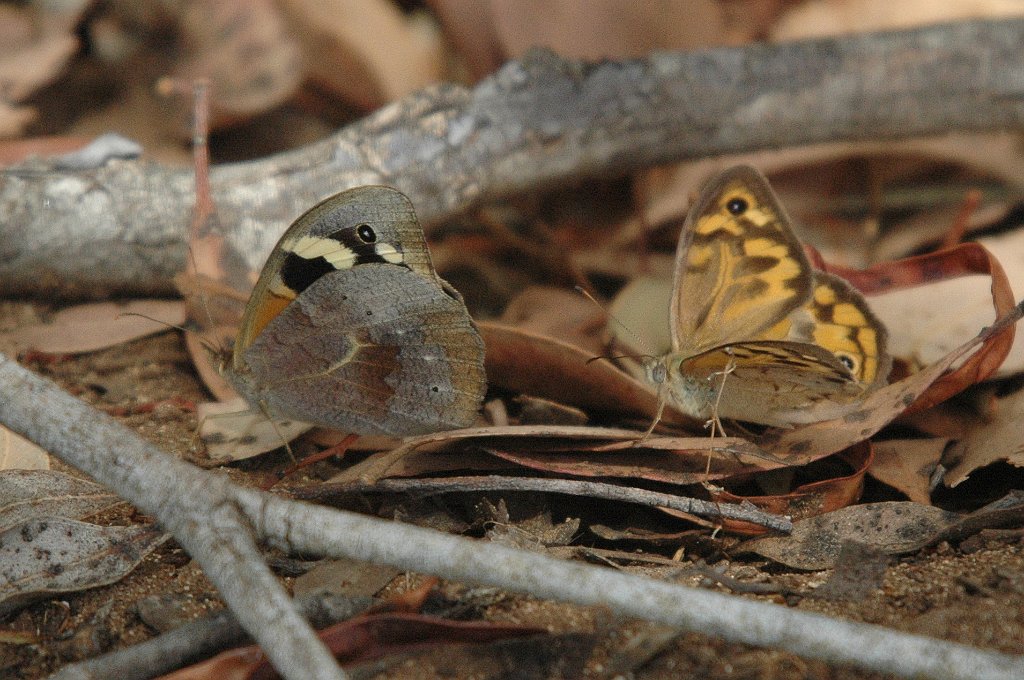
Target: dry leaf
[(42, 558), (233, 431), (18, 453), (95, 326), (836, 17), (35, 494), (363, 638), (545, 367), (351, 578), (246, 50), (367, 51), (1008, 249), (930, 321), (907, 465), (859, 571), (557, 313), (27, 67), (807, 500), (893, 527), (998, 438)]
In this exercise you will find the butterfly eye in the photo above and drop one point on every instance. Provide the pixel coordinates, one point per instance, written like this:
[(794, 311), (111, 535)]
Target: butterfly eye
[(737, 206), (366, 233), (848, 361)]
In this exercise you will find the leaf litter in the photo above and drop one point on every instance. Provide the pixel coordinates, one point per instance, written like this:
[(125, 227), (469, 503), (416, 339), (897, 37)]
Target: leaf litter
[(45, 557), (561, 371)]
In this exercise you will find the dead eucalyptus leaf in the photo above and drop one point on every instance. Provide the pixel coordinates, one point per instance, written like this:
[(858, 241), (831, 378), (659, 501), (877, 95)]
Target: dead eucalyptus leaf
[(18, 453), (1008, 249), (557, 313), (819, 19), (232, 431), (32, 58), (42, 558), (351, 578), (361, 639), (893, 528), (998, 438), (672, 460), (368, 52), (907, 465), (573, 450), (546, 367), (95, 326), (245, 48), (806, 500), (859, 570), (34, 494)]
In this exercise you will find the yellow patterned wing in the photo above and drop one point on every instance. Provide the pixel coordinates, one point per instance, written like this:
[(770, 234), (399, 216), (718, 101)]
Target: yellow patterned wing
[(740, 270), (772, 382), (845, 326)]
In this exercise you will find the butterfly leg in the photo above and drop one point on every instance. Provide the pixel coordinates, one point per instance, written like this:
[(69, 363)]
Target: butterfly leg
[(273, 423), (657, 417), (715, 423)]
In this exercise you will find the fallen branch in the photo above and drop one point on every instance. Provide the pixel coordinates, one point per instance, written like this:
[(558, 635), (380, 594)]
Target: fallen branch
[(219, 523), (571, 487), (536, 122), (197, 640)]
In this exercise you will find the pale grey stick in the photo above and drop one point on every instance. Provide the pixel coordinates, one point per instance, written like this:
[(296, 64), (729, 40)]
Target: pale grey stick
[(197, 507), (571, 487), (198, 640), (736, 619), (218, 523), (537, 122)]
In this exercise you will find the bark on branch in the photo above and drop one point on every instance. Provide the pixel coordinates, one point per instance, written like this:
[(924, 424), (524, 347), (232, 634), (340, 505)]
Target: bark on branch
[(220, 524), (119, 229)]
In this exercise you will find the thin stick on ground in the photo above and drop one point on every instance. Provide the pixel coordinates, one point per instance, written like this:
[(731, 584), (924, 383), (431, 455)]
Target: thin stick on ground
[(219, 523), (572, 487)]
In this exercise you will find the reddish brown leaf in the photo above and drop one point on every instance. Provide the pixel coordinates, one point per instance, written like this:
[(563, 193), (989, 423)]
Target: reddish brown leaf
[(808, 500), (546, 367), (683, 464), (364, 638), (968, 258)]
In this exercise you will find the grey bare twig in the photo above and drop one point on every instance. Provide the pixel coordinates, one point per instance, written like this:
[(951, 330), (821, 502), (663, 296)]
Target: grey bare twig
[(572, 487), (220, 523), (537, 122)]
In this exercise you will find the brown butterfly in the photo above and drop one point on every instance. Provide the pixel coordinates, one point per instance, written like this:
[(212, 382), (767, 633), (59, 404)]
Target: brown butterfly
[(350, 327)]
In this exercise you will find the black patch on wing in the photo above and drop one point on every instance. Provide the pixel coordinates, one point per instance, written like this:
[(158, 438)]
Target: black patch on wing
[(298, 273)]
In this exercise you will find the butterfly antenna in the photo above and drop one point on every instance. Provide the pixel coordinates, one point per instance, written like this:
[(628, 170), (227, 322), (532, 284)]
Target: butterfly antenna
[(206, 345), (629, 331)]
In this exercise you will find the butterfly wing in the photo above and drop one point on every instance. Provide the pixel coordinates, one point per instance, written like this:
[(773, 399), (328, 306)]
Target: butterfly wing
[(843, 324), (771, 382), (739, 268), (401, 357), (371, 224)]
